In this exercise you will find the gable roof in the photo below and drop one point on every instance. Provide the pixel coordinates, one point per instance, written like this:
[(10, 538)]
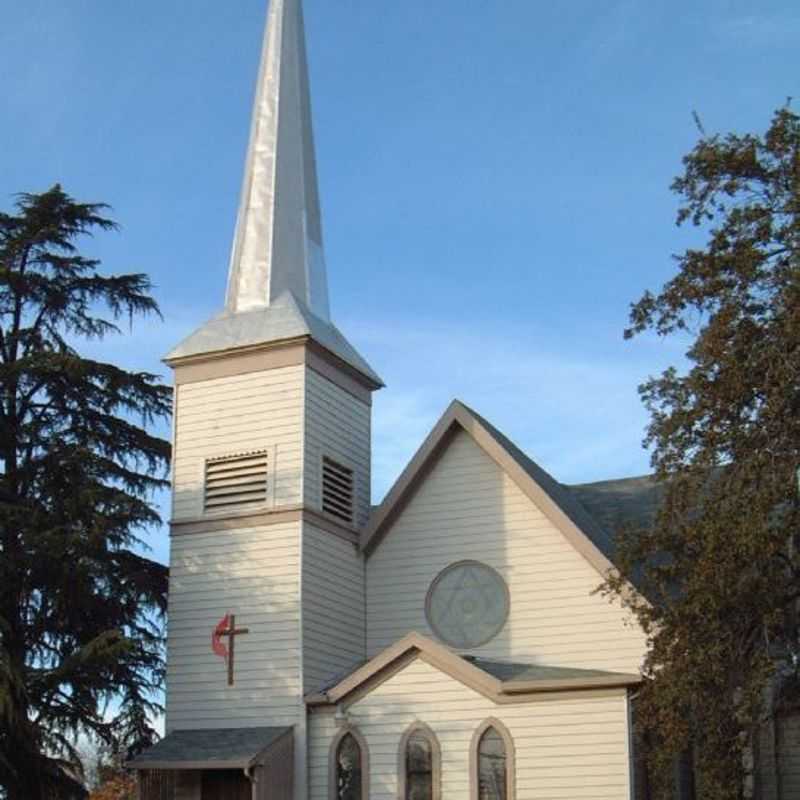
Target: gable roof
[(227, 748), (623, 503), (497, 680), (560, 505)]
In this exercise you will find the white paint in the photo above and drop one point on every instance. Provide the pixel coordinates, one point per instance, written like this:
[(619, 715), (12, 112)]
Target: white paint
[(299, 589), (337, 425), (468, 508), (570, 746), (333, 608), (258, 411), (254, 574)]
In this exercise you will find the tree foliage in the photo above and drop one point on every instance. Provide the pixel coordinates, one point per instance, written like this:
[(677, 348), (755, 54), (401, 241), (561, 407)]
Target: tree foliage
[(109, 780), (119, 787), (80, 610), (721, 568)]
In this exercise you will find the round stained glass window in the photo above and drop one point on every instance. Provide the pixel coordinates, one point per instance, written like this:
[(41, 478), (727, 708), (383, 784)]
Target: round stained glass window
[(467, 604)]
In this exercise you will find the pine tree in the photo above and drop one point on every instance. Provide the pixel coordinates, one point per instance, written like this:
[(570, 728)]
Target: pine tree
[(81, 611), (721, 567)]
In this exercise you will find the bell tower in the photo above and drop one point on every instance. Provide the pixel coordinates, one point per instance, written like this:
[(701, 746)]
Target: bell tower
[(272, 447)]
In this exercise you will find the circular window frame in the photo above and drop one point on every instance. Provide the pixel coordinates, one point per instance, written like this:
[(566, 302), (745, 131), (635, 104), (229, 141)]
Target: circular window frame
[(434, 585)]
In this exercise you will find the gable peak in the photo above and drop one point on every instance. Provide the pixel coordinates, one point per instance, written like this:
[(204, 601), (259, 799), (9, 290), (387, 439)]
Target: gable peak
[(578, 527)]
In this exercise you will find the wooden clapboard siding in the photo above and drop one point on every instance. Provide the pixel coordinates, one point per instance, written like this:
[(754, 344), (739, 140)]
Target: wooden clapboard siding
[(261, 410), (337, 425), (766, 754), (275, 779), (255, 574), (159, 785), (767, 765), (467, 508), (333, 607), (788, 730), (568, 746), (187, 785), (229, 784)]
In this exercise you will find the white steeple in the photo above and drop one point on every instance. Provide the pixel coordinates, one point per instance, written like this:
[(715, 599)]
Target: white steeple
[(278, 242), (277, 281)]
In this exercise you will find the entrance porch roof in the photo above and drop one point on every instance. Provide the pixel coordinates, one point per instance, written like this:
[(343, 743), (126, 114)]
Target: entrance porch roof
[(227, 748)]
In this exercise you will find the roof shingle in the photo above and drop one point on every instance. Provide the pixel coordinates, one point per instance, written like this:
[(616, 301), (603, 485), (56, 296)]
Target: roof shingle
[(226, 748)]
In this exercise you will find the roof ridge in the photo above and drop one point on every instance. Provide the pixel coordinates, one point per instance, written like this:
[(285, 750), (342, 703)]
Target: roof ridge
[(554, 500), (643, 477), (557, 490)]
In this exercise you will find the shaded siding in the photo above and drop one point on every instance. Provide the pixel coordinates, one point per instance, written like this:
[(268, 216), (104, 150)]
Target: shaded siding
[(568, 746), (789, 755), (767, 767), (337, 425), (187, 785), (157, 785), (333, 607), (253, 573), (238, 414), (467, 508), (275, 780), (766, 752)]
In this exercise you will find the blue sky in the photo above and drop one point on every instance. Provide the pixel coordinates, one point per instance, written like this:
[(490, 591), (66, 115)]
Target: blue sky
[(495, 182)]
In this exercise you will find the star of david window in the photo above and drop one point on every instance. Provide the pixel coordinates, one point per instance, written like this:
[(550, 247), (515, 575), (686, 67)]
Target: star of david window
[(467, 605)]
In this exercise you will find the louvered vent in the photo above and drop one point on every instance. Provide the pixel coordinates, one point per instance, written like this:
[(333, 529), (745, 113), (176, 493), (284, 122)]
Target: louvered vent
[(337, 490), (236, 481)]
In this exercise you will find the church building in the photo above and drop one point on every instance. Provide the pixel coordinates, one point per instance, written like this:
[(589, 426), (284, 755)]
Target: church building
[(447, 644)]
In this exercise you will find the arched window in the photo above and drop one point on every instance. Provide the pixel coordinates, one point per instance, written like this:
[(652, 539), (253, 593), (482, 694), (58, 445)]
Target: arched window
[(492, 763), (349, 767), (419, 767)]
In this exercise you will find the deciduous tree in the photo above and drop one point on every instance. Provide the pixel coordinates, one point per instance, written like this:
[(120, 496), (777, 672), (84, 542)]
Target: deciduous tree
[(120, 787), (722, 571)]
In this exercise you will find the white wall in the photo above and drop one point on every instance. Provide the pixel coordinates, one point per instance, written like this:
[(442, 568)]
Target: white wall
[(337, 425), (272, 578), (568, 746), (253, 573), (225, 416), (467, 508), (334, 625)]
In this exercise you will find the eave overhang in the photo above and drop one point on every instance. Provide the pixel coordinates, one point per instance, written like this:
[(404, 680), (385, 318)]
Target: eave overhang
[(469, 672), (214, 749), (285, 322)]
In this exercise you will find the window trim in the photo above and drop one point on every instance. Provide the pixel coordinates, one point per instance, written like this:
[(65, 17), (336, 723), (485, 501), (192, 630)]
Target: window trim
[(474, 761), (333, 760), (436, 759)]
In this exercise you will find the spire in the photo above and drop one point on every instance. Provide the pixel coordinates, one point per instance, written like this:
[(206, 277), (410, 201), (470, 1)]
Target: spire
[(278, 243), (277, 285)]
